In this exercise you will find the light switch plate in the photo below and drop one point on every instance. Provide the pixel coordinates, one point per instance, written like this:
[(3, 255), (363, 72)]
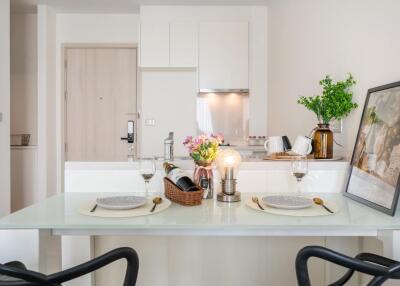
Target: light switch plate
[(149, 122), (337, 126), (1, 116)]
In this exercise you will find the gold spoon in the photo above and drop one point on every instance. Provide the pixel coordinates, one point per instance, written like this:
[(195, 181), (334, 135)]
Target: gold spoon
[(255, 200), (156, 201), (320, 202)]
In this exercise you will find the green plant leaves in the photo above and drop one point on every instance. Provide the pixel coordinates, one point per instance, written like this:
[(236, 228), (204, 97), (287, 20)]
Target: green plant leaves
[(336, 101)]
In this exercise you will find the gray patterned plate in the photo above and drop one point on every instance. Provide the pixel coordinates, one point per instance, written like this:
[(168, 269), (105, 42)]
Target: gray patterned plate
[(121, 202), (290, 202)]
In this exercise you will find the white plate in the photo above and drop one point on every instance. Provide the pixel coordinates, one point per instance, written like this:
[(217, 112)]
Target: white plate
[(289, 202), (121, 202)]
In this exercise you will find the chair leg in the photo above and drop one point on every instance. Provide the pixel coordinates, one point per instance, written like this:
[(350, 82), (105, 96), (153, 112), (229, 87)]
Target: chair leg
[(392, 272)]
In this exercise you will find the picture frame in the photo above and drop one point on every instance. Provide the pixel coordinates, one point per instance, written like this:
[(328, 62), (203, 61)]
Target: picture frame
[(374, 177)]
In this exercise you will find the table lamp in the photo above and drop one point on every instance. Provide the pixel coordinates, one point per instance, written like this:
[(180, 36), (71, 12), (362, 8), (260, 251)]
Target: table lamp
[(228, 162)]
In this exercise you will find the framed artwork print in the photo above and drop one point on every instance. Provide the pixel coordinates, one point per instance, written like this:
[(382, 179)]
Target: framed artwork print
[(374, 178)]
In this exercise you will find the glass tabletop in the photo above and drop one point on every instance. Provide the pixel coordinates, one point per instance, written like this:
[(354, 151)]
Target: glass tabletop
[(60, 212)]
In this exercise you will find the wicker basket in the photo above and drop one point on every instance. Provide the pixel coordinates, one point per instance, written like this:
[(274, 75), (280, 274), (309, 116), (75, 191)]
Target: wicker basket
[(178, 196)]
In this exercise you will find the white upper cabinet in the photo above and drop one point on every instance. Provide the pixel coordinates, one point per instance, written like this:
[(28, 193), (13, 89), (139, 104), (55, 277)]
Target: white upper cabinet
[(154, 44), (183, 44), (164, 44), (224, 55)]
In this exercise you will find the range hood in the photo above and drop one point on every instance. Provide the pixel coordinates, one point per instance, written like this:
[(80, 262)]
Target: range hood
[(235, 90)]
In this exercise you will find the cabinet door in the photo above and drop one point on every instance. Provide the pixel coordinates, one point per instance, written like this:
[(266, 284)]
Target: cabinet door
[(223, 55), (183, 44), (154, 44)]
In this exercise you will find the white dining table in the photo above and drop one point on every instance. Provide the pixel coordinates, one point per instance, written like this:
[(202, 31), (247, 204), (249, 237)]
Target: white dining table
[(59, 216)]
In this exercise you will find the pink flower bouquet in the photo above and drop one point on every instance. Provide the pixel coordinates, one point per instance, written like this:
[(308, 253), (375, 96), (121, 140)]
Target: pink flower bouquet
[(203, 149)]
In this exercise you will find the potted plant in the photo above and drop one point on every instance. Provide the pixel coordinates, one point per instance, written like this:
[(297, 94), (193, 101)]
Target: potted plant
[(335, 103), (203, 150)]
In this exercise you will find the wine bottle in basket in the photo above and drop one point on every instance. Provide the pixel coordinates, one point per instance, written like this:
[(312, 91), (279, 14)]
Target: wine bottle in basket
[(179, 178)]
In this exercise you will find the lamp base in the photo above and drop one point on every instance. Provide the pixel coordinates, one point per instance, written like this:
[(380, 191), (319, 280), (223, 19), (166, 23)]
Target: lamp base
[(235, 197)]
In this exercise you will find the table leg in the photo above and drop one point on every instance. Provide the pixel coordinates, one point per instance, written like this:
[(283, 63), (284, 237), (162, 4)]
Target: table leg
[(76, 250), (391, 247), (49, 252), (391, 243), (347, 245)]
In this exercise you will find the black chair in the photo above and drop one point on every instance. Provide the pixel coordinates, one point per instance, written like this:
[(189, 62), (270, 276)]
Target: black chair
[(15, 273), (380, 267)]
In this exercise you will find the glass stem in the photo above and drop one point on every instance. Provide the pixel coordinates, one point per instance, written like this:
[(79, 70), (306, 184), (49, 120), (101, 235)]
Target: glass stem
[(298, 187), (146, 184)]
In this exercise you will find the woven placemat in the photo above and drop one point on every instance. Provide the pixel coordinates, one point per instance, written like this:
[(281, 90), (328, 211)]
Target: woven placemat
[(141, 211), (314, 210)]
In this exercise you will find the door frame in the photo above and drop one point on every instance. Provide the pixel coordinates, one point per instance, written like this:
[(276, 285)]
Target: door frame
[(63, 115)]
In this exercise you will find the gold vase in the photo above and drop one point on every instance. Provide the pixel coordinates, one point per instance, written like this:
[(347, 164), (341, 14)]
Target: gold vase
[(323, 142)]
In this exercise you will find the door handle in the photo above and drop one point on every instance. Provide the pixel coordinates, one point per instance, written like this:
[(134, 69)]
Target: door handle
[(130, 132)]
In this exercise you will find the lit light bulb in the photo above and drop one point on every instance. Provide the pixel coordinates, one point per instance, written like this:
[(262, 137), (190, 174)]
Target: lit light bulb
[(228, 162)]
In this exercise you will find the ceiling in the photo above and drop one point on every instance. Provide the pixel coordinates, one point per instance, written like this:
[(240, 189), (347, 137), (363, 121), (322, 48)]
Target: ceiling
[(116, 6)]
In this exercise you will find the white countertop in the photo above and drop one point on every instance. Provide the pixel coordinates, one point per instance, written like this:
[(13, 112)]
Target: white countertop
[(248, 163), (60, 213)]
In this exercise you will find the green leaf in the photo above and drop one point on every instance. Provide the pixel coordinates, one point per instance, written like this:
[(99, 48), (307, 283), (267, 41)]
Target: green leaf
[(335, 102)]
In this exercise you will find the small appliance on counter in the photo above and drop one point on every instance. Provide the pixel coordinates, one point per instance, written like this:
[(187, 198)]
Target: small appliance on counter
[(169, 147)]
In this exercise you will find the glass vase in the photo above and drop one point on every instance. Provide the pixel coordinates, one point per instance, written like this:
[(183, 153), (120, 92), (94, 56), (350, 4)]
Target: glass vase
[(204, 178), (323, 142)]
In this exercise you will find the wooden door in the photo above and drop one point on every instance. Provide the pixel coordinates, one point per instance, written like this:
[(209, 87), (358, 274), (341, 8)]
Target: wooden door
[(100, 99)]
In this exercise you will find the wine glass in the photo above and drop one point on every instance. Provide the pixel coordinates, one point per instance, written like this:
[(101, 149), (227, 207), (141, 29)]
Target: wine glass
[(299, 169), (147, 168)]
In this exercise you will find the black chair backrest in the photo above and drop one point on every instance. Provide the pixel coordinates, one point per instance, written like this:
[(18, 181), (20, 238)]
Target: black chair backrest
[(24, 277), (380, 267)]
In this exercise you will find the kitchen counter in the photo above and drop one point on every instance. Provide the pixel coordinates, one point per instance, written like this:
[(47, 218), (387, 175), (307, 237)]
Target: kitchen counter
[(254, 175)]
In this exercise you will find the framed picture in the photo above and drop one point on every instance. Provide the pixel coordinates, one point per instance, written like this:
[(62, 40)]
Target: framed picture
[(374, 178)]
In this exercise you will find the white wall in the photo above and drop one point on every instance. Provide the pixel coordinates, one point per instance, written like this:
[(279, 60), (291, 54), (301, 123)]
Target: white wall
[(5, 107), (86, 29), (47, 183), (258, 45), (24, 75), (310, 38), (97, 28)]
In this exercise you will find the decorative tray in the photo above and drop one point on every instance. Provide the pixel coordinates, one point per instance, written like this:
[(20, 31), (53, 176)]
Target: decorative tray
[(291, 156)]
